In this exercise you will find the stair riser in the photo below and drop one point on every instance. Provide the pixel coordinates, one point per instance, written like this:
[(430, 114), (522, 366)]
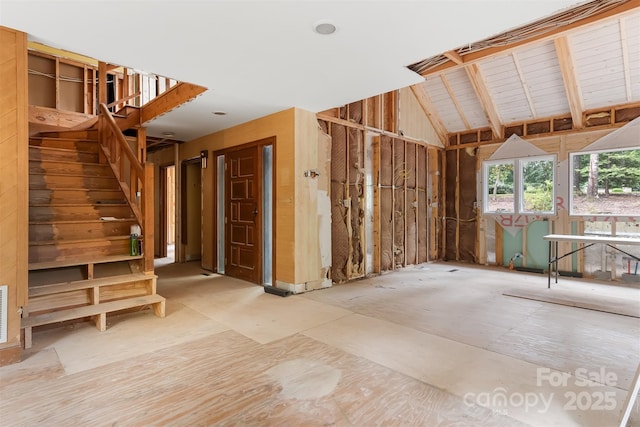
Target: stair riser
[(89, 146), (36, 153), (47, 166), (61, 181), (41, 196), (72, 213), (78, 231), (73, 250)]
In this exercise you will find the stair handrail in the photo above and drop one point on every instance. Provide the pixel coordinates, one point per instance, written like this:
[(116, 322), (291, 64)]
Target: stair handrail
[(135, 179)]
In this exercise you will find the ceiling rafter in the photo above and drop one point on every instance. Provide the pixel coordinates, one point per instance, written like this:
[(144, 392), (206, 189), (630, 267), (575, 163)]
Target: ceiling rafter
[(625, 59), (454, 56), (453, 97), (430, 110), (482, 91), (572, 88), (565, 21), (525, 85)]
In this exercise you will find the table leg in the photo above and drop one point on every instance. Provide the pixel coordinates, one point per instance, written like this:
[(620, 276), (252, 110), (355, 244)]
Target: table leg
[(557, 261), (549, 275)]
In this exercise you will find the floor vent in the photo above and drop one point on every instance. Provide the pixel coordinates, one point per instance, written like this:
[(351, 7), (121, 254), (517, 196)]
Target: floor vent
[(4, 291)]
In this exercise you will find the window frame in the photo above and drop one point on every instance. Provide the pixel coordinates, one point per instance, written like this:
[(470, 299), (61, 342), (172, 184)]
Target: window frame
[(518, 185)]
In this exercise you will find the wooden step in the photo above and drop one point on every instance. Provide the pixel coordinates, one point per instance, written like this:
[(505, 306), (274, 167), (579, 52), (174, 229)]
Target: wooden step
[(87, 145), (62, 231), (71, 168), (80, 261), (154, 300), (56, 288), (78, 211), (76, 195), (70, 155), (52, 250), (87, 134), (56, 181)]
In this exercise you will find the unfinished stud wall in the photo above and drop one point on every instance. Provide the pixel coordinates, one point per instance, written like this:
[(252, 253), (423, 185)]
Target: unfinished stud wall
[(397, 222), (460, 210), (494, 239)]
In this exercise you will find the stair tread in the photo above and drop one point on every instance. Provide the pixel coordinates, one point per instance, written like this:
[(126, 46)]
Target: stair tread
[(72, 162), (82, 221), (90, 310), (54, 288), (44, 265), (65, 150), (61, 138), (67, 242), (76, 205), (63, 188), (79, 175)]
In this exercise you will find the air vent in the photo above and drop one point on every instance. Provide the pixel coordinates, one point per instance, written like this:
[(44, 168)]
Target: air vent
[(4, 291)]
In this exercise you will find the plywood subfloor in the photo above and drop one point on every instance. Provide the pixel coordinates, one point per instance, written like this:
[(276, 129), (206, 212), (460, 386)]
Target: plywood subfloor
[(417, 347), (613, 305)]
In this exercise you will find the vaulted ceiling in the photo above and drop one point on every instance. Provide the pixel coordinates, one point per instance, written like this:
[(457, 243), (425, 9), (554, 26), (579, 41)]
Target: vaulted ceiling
[(548, 69)]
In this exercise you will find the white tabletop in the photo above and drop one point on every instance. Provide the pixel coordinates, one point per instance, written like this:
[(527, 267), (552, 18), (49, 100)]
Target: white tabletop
[(592, 239)]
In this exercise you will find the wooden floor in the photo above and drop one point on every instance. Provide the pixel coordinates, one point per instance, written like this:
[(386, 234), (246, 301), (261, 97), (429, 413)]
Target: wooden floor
[(432, 345)]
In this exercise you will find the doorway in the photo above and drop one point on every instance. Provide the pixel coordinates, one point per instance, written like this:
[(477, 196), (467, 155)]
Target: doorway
[(191, 210), (244, 212), (167, 231)]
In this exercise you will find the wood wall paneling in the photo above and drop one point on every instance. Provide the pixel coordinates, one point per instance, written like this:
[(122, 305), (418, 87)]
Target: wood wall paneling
[(14, 177)]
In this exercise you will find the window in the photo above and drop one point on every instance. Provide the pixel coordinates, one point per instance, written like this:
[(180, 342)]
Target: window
[(605, 183), (519, 186)]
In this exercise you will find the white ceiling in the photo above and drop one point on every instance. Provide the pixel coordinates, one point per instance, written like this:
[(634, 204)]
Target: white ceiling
[(259, 57)]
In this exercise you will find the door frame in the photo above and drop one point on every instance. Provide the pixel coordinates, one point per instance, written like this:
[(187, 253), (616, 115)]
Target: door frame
[(164, 220), (259, 144), (183, 205)]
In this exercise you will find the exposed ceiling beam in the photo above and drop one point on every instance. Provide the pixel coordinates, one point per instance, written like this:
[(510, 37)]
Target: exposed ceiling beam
[(567, 68), (453, 97), (490, 51), (454, 56), (625, 59), (480, 87), (430, 111), (525, 86)]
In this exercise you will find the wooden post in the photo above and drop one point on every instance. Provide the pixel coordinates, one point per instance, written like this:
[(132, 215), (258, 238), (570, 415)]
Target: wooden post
[(102, 82), (375, 173), (147, 212)]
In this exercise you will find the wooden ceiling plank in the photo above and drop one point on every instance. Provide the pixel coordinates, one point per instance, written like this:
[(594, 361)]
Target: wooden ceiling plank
[(484, 96), (430, 111), (567, 68), (625, 59), (452, 95), (559, 30), (525, 86)]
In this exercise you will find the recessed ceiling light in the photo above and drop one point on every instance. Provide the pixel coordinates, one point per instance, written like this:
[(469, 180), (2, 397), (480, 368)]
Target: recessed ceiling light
[(324, 27), (168, 134), (220, 113)]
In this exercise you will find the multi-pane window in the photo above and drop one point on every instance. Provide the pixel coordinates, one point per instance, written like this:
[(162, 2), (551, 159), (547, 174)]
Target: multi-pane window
[(519, 186)]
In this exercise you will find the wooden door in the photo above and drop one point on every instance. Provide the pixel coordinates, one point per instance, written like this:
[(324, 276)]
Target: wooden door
[(243, 204)]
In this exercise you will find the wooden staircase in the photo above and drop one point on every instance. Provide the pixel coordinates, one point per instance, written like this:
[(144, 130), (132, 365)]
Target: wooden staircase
[(80, 262)]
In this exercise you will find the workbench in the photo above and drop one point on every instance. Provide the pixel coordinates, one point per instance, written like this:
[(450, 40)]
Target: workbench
[(585, 241)]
